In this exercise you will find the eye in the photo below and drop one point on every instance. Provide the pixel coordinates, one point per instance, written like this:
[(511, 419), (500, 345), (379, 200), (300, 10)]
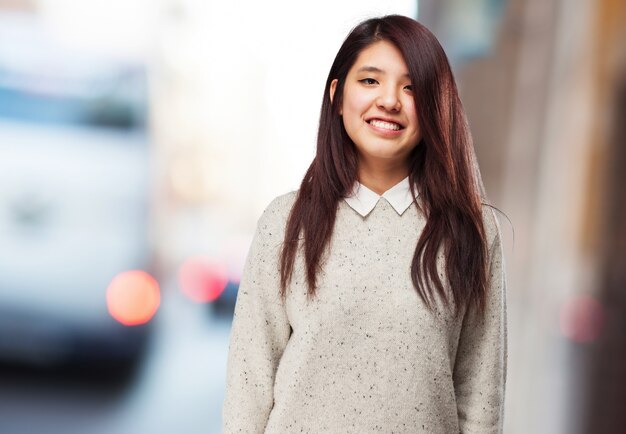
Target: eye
[(409, 87), (368, 81)]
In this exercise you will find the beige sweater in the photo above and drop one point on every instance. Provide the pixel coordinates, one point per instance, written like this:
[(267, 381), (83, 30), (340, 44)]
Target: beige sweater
[(366, 355)]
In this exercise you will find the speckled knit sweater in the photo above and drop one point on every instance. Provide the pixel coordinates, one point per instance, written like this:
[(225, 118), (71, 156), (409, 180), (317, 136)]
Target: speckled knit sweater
[(365, 355)]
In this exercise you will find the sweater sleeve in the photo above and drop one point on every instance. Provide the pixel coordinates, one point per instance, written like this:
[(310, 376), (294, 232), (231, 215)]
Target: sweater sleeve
[(481, 360), (259, 334)]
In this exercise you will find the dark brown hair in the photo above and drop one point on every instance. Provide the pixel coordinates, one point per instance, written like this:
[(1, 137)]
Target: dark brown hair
[(442, 167)]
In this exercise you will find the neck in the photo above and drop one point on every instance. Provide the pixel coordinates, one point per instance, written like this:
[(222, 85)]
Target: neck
[(381, 178)]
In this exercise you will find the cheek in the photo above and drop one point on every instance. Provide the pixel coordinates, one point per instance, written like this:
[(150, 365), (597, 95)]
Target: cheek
[(412, 114), (409, 107), (355, 103)]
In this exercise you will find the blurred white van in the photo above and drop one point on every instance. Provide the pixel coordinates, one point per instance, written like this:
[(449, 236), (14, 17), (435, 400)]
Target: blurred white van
[(74, 201)]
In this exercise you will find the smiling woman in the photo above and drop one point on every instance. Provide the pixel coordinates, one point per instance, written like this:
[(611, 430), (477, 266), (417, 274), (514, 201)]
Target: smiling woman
[(378, 111), (373, 298)]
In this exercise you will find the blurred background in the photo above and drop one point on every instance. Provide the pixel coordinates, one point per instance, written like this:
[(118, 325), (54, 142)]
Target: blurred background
[(140, 141)]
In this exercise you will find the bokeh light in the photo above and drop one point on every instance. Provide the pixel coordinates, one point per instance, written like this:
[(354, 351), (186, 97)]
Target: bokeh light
[(202, 278), (133, 297), (581, 319)]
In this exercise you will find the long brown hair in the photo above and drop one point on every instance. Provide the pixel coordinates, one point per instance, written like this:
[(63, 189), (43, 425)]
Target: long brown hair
[(453, 208)]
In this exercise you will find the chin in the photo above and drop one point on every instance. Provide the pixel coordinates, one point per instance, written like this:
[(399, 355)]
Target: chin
[(382, 154)]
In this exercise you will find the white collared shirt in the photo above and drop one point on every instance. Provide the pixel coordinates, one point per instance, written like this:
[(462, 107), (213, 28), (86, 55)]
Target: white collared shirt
[(363, 200)]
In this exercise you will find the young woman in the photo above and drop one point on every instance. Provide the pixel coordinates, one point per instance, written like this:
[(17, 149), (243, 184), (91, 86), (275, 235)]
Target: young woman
[(373, 298)]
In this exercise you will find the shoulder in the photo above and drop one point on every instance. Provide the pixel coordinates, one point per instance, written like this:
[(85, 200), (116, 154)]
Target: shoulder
[(491, 224), (280, 206), (281, 203), (274, 218), (270, 228)]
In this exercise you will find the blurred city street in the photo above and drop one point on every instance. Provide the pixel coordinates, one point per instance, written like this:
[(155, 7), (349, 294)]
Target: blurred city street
[(178, 388), (135, 163)]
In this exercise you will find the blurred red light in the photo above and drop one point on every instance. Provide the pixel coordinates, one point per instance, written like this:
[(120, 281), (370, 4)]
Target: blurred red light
[(582, 319), (133, 297), (203, 279)]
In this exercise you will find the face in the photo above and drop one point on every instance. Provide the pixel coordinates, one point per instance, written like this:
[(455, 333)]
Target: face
[(377, 107)]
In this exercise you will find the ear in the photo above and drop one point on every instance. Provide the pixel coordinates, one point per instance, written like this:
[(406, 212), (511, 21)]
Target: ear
[(333, 87)]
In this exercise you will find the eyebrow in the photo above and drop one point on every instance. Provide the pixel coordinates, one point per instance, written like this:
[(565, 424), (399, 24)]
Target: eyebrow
[(377, 70)]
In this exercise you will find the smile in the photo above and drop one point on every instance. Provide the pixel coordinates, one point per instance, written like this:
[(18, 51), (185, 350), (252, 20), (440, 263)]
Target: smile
[(385, 125)]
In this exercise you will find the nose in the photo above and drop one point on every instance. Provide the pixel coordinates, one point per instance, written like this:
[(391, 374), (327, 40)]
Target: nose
[(388, 100)]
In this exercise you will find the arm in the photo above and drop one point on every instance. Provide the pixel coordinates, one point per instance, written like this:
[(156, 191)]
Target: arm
[(481, 360), (260, 331)]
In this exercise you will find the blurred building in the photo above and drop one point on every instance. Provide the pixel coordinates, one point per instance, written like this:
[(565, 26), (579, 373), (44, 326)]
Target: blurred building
[(547, 108)]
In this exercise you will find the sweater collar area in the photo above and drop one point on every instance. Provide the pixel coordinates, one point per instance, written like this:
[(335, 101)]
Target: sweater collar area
[(363, 200)]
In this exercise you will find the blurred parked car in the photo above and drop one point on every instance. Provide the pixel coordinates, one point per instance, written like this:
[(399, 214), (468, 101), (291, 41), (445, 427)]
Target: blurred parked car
[(74, 197)]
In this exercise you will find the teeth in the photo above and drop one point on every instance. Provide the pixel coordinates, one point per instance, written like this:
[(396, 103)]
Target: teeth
[(385, 125)]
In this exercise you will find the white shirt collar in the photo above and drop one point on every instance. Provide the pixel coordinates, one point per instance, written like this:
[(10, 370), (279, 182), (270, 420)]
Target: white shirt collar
[(363, 200)]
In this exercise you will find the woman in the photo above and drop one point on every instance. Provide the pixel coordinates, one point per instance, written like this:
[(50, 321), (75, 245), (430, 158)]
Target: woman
[(373, 298)]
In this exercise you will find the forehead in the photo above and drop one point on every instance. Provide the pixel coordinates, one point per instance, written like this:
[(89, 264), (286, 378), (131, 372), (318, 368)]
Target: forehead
[(382, 55)]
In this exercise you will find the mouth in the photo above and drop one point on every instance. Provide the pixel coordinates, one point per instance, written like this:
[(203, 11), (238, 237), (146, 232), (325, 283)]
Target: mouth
[(385, 124)]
